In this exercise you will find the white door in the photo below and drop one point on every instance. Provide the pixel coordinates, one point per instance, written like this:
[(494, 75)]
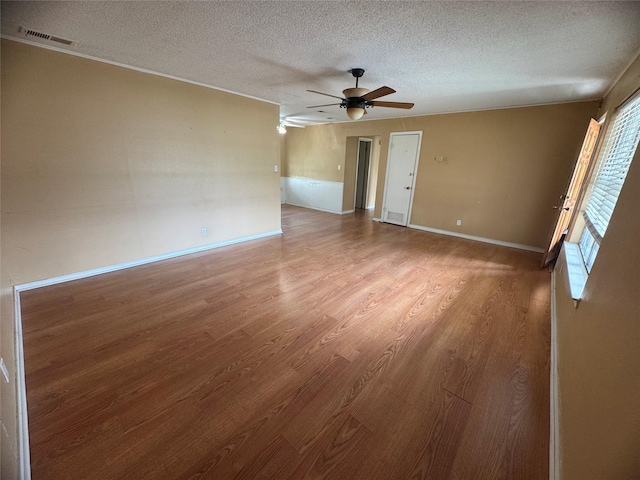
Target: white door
[(570, 197), (402, 164)]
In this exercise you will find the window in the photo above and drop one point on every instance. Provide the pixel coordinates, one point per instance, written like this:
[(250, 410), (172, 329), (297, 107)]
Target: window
[(615, 157)]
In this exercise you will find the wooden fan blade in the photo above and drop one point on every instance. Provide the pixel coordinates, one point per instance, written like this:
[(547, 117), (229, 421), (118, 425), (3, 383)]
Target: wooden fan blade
[(325, 105), (393, 104), (320, 93), (378, 92)]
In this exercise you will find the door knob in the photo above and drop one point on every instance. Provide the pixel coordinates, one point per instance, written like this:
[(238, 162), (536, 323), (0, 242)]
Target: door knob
[(408, 188)]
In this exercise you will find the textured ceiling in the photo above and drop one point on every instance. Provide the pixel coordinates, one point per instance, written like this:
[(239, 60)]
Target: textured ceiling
[(443, 56)]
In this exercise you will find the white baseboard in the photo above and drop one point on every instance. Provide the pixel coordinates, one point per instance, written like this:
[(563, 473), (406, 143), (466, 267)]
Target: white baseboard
[(346, 212), (377, 220), (554, 399), (24, 463), (478, 239), (24, 455), (135, 263), (315, 208)]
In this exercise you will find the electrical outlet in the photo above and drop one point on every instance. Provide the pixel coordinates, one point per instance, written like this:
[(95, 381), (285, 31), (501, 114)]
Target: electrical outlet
[(458, 222), (5, 372), (275, 168), (339, 167), (204, 231), (439, 158)]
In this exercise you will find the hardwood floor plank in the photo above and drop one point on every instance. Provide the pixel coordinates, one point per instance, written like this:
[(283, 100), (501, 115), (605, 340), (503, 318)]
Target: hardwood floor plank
[(530, 406), (338, 455), (498, 412), (469, 358), (333, 405), (343, 349), (438, 447), (261, 428), (175, 451), (276, 460)]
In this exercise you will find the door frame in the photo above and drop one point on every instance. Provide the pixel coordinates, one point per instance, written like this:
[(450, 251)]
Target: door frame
[(366, 187), (415, 173)]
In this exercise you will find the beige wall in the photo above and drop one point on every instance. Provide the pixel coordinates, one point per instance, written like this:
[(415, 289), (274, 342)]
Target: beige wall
[(599, 342), (103, 165), (317, 152), (503, 169)]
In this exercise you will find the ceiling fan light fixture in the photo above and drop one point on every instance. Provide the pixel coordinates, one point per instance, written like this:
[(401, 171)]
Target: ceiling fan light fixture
[(355, 113), (357, 99), (354, 92)]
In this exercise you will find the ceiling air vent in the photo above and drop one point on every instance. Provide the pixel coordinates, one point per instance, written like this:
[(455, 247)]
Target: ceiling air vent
[(29, 33)]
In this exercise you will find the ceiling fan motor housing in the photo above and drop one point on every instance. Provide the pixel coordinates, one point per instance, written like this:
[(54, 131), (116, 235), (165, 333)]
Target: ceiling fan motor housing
[(354, 102)]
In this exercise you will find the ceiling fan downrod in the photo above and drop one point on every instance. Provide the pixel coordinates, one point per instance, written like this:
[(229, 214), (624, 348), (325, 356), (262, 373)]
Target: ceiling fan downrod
[(357, 73)]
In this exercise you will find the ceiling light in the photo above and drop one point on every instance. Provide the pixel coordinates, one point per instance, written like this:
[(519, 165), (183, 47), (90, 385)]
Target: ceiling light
[(282, 129), (355, 113), (354, 103), (289, 122)]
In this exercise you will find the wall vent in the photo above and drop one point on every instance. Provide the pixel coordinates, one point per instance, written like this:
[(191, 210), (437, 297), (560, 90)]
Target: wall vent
[(30, 33), (395, 216)]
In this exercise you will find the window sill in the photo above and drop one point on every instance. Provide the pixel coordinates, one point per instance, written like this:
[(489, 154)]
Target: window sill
[(576, 271)]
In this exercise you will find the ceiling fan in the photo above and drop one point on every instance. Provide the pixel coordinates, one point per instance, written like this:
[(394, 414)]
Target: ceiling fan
[(357, 100)]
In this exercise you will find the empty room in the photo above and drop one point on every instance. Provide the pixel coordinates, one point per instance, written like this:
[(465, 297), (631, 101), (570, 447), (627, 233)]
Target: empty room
[(375, 240)]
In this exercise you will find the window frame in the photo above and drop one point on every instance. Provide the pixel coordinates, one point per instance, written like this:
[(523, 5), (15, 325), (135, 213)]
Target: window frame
[(586, 237)]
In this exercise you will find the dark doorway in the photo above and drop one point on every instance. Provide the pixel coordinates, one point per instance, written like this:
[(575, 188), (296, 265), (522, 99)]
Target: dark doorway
[(362, 174)]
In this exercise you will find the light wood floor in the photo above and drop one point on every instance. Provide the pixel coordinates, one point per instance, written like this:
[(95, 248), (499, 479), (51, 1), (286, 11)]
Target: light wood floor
[(343, 349)]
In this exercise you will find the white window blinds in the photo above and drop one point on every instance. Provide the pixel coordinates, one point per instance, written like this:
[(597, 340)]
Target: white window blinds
[(619, 147)]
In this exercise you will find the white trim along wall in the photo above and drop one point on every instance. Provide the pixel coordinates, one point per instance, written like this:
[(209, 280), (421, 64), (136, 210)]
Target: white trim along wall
[(473, 237), (554, 400), (316, 194)]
